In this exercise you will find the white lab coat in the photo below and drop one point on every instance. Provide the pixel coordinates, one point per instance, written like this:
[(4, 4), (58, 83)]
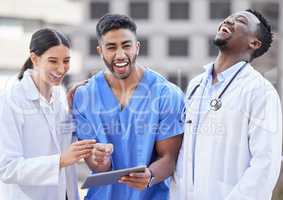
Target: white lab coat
[(32, 136), (238, 148)]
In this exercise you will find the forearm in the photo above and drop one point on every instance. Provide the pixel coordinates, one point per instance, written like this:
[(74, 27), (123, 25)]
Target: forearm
[(259, 179), (163, 167), (256, 183), (42, 170)]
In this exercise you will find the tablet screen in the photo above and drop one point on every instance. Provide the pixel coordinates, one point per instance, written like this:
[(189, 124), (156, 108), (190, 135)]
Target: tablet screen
[(110, 177)]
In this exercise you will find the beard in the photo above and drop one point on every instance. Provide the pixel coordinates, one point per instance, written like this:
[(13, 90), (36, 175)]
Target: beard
[(219, 42), (127, 74)]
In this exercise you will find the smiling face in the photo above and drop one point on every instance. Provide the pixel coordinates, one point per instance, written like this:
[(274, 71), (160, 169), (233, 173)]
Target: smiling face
[(238, 31), (52, 65), (119, 49)]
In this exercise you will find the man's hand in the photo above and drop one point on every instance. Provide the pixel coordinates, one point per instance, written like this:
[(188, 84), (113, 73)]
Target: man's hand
[(76, 151), (100, 161), (137, 180), (71, 92), (102, 154)]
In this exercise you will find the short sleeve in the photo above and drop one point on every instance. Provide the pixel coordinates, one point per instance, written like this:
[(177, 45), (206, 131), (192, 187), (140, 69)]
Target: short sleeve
[(84, 129), (171, 108)]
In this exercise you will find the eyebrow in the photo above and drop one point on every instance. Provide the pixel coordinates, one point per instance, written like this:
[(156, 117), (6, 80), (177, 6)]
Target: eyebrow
[(57, 58), (242, 16), (127, 41), (113, 44)]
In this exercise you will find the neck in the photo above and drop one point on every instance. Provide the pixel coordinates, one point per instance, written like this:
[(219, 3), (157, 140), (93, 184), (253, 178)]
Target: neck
[(128, 83), (43, 88), (224, 61)]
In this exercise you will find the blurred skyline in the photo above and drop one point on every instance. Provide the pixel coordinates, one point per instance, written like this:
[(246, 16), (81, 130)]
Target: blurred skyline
[(176, 35)]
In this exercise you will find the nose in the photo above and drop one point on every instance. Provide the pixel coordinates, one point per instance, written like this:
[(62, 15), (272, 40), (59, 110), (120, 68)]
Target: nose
[(229, 21), (62, 68), (120, 54)]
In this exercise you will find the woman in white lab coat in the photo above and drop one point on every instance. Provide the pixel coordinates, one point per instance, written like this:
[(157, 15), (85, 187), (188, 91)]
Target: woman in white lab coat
[(36, 152)]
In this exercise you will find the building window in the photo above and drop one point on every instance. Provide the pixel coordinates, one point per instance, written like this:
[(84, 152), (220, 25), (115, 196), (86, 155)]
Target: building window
[(98, 9), (93, 43), (212, 49), (179, 10), (139, 10), (270, 10), (144, 47), (219, 9), (179, 79), (178, 47)]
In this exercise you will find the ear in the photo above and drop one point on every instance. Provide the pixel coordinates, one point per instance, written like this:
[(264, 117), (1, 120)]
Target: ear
[(99, 51), (255, 44), (138, 47), (34, 59)]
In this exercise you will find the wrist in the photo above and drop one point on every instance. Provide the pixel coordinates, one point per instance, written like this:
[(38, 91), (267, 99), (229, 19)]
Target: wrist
[(62, 162), (102, 167), (152, 179)]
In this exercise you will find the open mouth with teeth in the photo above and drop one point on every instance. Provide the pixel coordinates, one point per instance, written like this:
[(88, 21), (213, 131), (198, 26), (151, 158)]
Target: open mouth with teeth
[(56, 77), (225, 30), (120, 67)]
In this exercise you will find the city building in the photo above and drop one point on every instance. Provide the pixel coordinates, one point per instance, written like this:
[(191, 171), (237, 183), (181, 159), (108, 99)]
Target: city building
[(19, 19), (177, 35)]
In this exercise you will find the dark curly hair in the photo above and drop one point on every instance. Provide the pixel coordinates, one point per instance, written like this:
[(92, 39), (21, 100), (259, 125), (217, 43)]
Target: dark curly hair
[(264, 34), (110, 22)]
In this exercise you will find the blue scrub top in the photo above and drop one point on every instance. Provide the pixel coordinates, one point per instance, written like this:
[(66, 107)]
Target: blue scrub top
[(154, 113)]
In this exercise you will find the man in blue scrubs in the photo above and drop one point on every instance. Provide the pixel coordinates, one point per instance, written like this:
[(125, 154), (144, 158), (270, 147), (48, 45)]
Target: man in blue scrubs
[(133, 113)]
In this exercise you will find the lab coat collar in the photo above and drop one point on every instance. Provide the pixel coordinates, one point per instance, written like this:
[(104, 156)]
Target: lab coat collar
[(208, 69), (225, 74), (31, 90)]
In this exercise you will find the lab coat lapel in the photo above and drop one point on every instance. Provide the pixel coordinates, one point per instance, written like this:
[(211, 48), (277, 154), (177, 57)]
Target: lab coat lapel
[(50, 119), (192, 107), (32, 94)]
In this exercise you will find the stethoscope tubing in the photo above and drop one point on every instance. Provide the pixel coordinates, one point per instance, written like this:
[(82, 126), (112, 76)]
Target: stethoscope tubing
[(215, 104)]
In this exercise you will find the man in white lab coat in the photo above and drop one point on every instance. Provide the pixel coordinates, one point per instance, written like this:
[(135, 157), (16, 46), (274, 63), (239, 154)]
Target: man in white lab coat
[(233, 134)]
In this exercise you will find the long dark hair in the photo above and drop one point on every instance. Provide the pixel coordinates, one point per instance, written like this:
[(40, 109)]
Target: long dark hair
[(41, 41)]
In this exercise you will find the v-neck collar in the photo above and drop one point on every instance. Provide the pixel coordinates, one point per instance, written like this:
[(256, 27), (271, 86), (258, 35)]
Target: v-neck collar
[(109, 92)]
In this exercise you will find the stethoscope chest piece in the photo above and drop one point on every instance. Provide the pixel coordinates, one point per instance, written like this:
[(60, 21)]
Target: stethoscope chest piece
[(215, 104)]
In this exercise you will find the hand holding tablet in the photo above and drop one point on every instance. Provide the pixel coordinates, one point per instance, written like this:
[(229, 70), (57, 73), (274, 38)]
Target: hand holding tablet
[(110, 177), (138, 180)]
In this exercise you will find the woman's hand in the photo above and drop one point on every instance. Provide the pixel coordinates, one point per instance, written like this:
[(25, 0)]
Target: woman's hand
[(77, 151)]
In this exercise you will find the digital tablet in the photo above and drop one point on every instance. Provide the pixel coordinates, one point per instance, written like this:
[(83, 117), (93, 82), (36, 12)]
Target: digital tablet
[(105, 178)]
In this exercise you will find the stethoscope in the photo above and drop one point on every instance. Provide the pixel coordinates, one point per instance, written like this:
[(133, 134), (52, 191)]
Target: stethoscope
[(215, 104)]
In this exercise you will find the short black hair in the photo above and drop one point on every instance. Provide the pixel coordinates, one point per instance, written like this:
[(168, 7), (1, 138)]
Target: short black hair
[(264, 34), (110, 22)]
